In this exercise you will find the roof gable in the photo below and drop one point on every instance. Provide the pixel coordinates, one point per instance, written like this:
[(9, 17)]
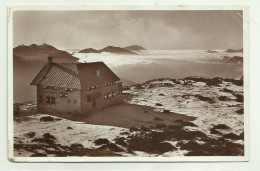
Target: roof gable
[(72, 75), (45, 69), (60, 78)]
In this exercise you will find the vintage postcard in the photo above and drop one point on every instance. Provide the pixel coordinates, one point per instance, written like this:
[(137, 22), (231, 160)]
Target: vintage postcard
[(128, 83)]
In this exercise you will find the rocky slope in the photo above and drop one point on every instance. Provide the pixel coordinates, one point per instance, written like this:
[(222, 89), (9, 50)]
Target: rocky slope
[(213, 102)]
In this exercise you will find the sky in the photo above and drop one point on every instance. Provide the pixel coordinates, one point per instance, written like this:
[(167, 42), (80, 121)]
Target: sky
[(176, 30)]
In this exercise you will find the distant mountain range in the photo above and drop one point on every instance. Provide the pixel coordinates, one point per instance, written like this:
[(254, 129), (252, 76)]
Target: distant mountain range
[(234, 59), (234, 50), (117, 50), (228, 51), (134, 48), (89, 50), (41, 52), (211, 51)]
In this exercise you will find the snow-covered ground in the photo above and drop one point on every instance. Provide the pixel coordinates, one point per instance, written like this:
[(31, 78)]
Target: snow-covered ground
[(78, 132), (182, 99), (212, 106), (68, 132)]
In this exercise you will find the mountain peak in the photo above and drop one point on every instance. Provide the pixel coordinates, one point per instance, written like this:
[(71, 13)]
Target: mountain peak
[(134, 48), (88, 50), (119, 50), (44, 45), (41, 52)]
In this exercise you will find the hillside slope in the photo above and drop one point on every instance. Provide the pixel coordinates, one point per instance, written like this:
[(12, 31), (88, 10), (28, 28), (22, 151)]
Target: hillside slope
[(41, 52), (213, 101)]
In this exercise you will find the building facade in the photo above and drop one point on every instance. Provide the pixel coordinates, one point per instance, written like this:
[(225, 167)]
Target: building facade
[(70, 88)]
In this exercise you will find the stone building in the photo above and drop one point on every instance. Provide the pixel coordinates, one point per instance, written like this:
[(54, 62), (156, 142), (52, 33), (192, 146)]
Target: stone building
[(76, 88)]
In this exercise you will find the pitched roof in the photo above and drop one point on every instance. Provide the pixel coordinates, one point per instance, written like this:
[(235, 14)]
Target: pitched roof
[(72, 75), (45, 69), (88, 74)]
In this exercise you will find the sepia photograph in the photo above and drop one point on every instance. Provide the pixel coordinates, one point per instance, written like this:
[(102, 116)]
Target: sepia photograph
[(128, 83)]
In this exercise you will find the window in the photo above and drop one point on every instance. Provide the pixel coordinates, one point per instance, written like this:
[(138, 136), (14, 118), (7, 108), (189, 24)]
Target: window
[(98, 73), (113, 94), (40, 99), (48, 100), (75, 101), (68, 89), (92, 87), (109, 95), (52, 100), (63, 94)]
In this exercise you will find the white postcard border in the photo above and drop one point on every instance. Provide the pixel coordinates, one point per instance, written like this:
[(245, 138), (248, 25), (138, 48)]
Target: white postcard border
[(11, 9)]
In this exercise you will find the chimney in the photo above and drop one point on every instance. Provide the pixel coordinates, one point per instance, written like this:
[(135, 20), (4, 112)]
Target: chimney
[(50, 59)]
